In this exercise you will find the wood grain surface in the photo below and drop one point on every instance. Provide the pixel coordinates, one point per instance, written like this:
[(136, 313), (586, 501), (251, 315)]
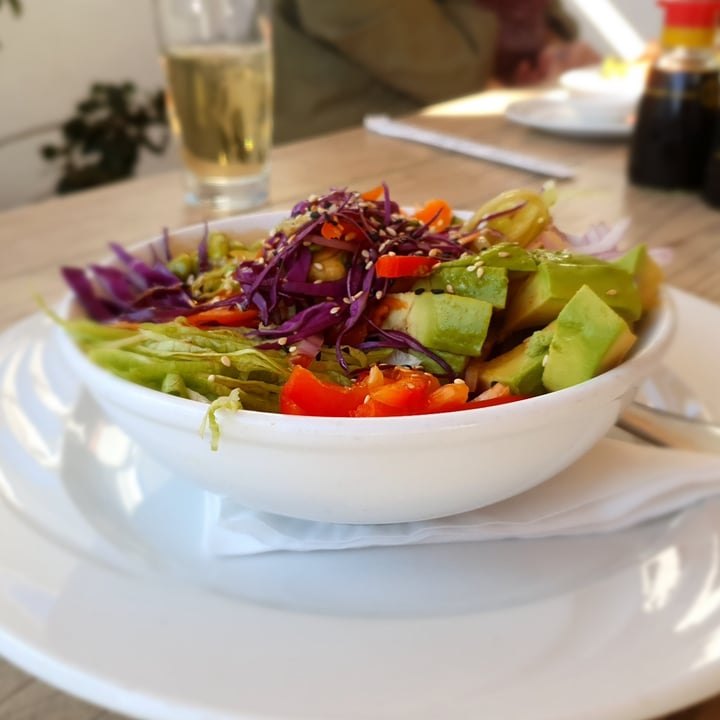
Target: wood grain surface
[(37, 239)]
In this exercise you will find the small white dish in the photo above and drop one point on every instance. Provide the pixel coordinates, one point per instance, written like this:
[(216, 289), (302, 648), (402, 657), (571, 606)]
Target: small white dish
[(597, 81), (587, 117), (371, 470), (105, 594)]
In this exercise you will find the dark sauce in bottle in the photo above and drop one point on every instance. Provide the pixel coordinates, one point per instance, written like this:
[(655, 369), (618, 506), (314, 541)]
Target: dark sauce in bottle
[(674, 129), (711, 188)]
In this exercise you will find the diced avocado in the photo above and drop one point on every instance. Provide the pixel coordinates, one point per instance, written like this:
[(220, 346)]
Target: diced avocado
[(472, 280), (457, 363), (647, 273), (565, 257), (521, 368), (543, 294), (441, 321), (510, 256), (590, 338)]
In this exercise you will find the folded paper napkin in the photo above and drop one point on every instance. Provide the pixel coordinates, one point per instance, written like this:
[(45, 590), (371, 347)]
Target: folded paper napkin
[(615, 485)]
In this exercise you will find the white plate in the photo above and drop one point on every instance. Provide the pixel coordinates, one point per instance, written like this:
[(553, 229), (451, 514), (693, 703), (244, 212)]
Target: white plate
[(104, 593), (560, 114)]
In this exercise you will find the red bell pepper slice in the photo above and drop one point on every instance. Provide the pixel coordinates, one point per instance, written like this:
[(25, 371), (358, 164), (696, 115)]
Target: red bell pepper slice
[(306, 394), (397, 266), (228, 316)]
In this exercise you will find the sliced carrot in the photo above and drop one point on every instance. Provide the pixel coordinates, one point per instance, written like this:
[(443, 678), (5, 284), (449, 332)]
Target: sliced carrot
[(340, 229), (331, 230), (375, 194), (225, 316), (437, 214)]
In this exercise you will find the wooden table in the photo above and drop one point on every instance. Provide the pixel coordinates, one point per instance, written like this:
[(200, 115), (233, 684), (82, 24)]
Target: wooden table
[(35, 240)]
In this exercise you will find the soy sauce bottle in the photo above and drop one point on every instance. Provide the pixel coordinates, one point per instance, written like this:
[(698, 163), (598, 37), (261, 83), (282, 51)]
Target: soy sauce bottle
[(676, 117)]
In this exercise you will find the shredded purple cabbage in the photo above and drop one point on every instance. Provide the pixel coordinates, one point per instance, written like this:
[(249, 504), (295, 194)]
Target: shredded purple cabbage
[(293, 310)]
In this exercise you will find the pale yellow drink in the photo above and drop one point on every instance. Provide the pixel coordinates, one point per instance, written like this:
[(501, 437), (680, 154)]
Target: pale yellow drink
[(220, 106)]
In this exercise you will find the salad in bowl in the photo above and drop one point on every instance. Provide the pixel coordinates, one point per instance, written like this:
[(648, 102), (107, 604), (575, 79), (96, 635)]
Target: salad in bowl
[(355, 360)]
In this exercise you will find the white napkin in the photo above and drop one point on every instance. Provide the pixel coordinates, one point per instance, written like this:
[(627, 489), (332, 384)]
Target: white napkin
[(615, 485)]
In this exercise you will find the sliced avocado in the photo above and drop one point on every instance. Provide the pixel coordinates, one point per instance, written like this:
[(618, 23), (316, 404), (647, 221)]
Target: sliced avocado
[(472, 280), (590, 338), (521, 368), (566, 257), (543, 294), (510, 256), (647, 273), (456, 362), (441, 321)]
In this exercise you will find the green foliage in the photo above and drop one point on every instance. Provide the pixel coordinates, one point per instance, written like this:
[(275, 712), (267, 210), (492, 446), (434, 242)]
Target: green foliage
[(102, 142)]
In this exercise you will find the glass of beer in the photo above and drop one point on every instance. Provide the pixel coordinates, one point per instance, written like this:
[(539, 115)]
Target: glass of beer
[(217, 56)]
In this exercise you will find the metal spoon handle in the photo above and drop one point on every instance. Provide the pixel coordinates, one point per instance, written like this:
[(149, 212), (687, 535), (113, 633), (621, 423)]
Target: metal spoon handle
[(669, 430)]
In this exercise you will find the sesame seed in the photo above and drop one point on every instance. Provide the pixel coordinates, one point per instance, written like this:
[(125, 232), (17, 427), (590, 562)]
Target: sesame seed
[(365, 254), (419, 291), (358, 294), (434, 252), (391, 231), (292, 348), (225, 360), (347, 301), (471, 268), (449, 289), (318, 266), (480, 272), (459, 381), (545, 360), (335, 310), (369, 264), (503, 254), (379, 295), (611, 291), (366, 399), (437, 291), (392, 253), (211, 378), (282, 341)]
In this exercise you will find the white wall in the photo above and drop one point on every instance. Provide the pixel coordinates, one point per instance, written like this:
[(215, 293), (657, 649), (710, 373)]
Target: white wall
[(644, 16), (49, 57)]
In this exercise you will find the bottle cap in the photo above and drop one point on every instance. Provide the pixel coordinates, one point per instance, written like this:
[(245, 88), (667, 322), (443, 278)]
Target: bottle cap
[(692, 23)]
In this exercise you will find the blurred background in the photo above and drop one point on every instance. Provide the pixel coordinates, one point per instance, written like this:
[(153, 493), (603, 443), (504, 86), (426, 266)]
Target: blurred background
[(60, 59)]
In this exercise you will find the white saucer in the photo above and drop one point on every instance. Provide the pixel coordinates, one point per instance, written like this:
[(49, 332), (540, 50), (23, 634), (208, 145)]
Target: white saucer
[(105, 594), (562, 114)]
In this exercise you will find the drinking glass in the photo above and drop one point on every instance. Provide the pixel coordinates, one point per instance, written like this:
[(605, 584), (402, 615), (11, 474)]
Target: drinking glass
[(217, 56)]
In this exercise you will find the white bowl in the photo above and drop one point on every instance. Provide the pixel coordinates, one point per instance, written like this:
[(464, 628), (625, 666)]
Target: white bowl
[(593, 82), (370, 470)]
